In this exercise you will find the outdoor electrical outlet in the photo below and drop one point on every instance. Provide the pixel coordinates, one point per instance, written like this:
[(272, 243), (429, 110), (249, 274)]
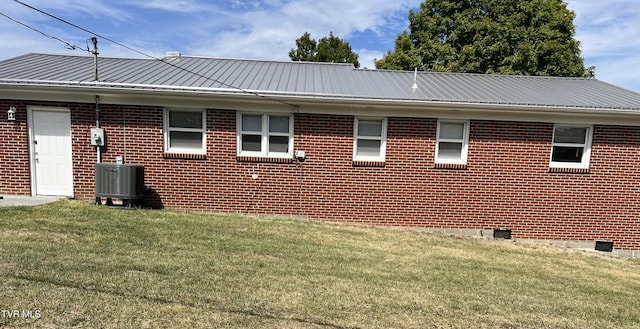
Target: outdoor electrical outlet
[(301, 155)]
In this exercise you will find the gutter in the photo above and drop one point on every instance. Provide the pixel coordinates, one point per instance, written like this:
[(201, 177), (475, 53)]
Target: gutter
[(299, 98)]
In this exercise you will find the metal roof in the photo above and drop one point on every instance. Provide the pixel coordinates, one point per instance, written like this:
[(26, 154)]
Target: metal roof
[(317, 80)]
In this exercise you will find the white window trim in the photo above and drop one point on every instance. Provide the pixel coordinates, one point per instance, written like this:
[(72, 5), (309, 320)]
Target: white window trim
[(383, 139), (264, 140), (464, 141), (168, 129), (586, 155)]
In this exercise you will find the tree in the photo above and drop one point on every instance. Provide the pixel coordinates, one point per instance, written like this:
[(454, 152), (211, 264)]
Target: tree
[(307, 50), (328, 49), (525, 37)]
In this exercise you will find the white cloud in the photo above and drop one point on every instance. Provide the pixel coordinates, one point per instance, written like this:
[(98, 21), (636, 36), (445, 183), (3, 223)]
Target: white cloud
[(622, 72), (176, 6), (270, 34), (607, 27), (79, 8), (252, 29), (608, 34), (366, 57)]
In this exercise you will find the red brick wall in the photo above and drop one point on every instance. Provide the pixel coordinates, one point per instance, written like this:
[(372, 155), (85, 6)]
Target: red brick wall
[(507, 183), (14, 151)]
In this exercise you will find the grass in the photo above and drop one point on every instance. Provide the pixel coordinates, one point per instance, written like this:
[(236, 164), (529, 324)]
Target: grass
[(93, 267)]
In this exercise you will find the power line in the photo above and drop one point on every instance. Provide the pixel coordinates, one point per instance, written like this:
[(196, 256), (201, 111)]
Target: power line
[(153, 57), (82, 28), (67, 45)]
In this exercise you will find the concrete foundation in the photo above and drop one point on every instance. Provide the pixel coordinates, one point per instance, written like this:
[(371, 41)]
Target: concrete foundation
[(576, 244)]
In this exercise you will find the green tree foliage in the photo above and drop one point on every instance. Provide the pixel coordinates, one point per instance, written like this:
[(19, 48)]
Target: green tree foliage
[(307, 50), (328, 49), (525, 37)]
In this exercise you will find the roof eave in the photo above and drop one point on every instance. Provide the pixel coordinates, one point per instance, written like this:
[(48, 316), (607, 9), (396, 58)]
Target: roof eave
[(173, 96)]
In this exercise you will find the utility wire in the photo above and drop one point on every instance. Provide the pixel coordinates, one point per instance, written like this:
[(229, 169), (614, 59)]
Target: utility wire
[(67, 45), (153, 57)]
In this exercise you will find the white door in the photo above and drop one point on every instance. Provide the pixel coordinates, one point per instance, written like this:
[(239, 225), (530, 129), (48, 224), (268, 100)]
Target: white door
[(51, 152)]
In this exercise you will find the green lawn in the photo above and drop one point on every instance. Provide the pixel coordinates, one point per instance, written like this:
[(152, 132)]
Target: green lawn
[(73, 264)]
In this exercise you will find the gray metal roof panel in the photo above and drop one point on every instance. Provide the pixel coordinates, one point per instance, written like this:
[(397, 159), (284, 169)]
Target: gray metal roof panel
[(321, 80)]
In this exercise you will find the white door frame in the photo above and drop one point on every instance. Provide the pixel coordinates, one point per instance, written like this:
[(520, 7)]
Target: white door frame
[(31, 132)]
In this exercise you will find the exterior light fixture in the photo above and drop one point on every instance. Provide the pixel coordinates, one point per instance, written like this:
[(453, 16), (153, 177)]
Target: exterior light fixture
[(11, 114)]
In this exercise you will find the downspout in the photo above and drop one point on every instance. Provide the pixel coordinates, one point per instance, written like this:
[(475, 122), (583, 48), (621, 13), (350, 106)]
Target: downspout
[(98, 147), (98, 150)]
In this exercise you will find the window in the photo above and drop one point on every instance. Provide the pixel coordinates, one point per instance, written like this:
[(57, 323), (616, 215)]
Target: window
[(571, 146), (185, 131), (452, 143), (267, 135), (369, 140)]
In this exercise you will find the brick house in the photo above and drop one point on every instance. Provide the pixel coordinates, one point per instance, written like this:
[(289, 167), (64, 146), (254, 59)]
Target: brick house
[(546, 158)]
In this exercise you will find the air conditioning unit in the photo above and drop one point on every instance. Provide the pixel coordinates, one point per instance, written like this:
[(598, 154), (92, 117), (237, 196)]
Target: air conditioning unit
[(123, 181)]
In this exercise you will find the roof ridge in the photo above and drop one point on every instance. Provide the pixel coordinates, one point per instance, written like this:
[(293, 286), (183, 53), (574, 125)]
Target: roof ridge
[(80, 56), (491, 75), (261, 60), (193, 57)]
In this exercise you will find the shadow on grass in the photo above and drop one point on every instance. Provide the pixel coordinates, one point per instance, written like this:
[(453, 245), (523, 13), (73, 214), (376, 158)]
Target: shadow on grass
[(159, 300)]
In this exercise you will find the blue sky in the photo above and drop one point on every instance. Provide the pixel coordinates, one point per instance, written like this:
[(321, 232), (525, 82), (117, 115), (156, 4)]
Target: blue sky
[(267, 29)]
